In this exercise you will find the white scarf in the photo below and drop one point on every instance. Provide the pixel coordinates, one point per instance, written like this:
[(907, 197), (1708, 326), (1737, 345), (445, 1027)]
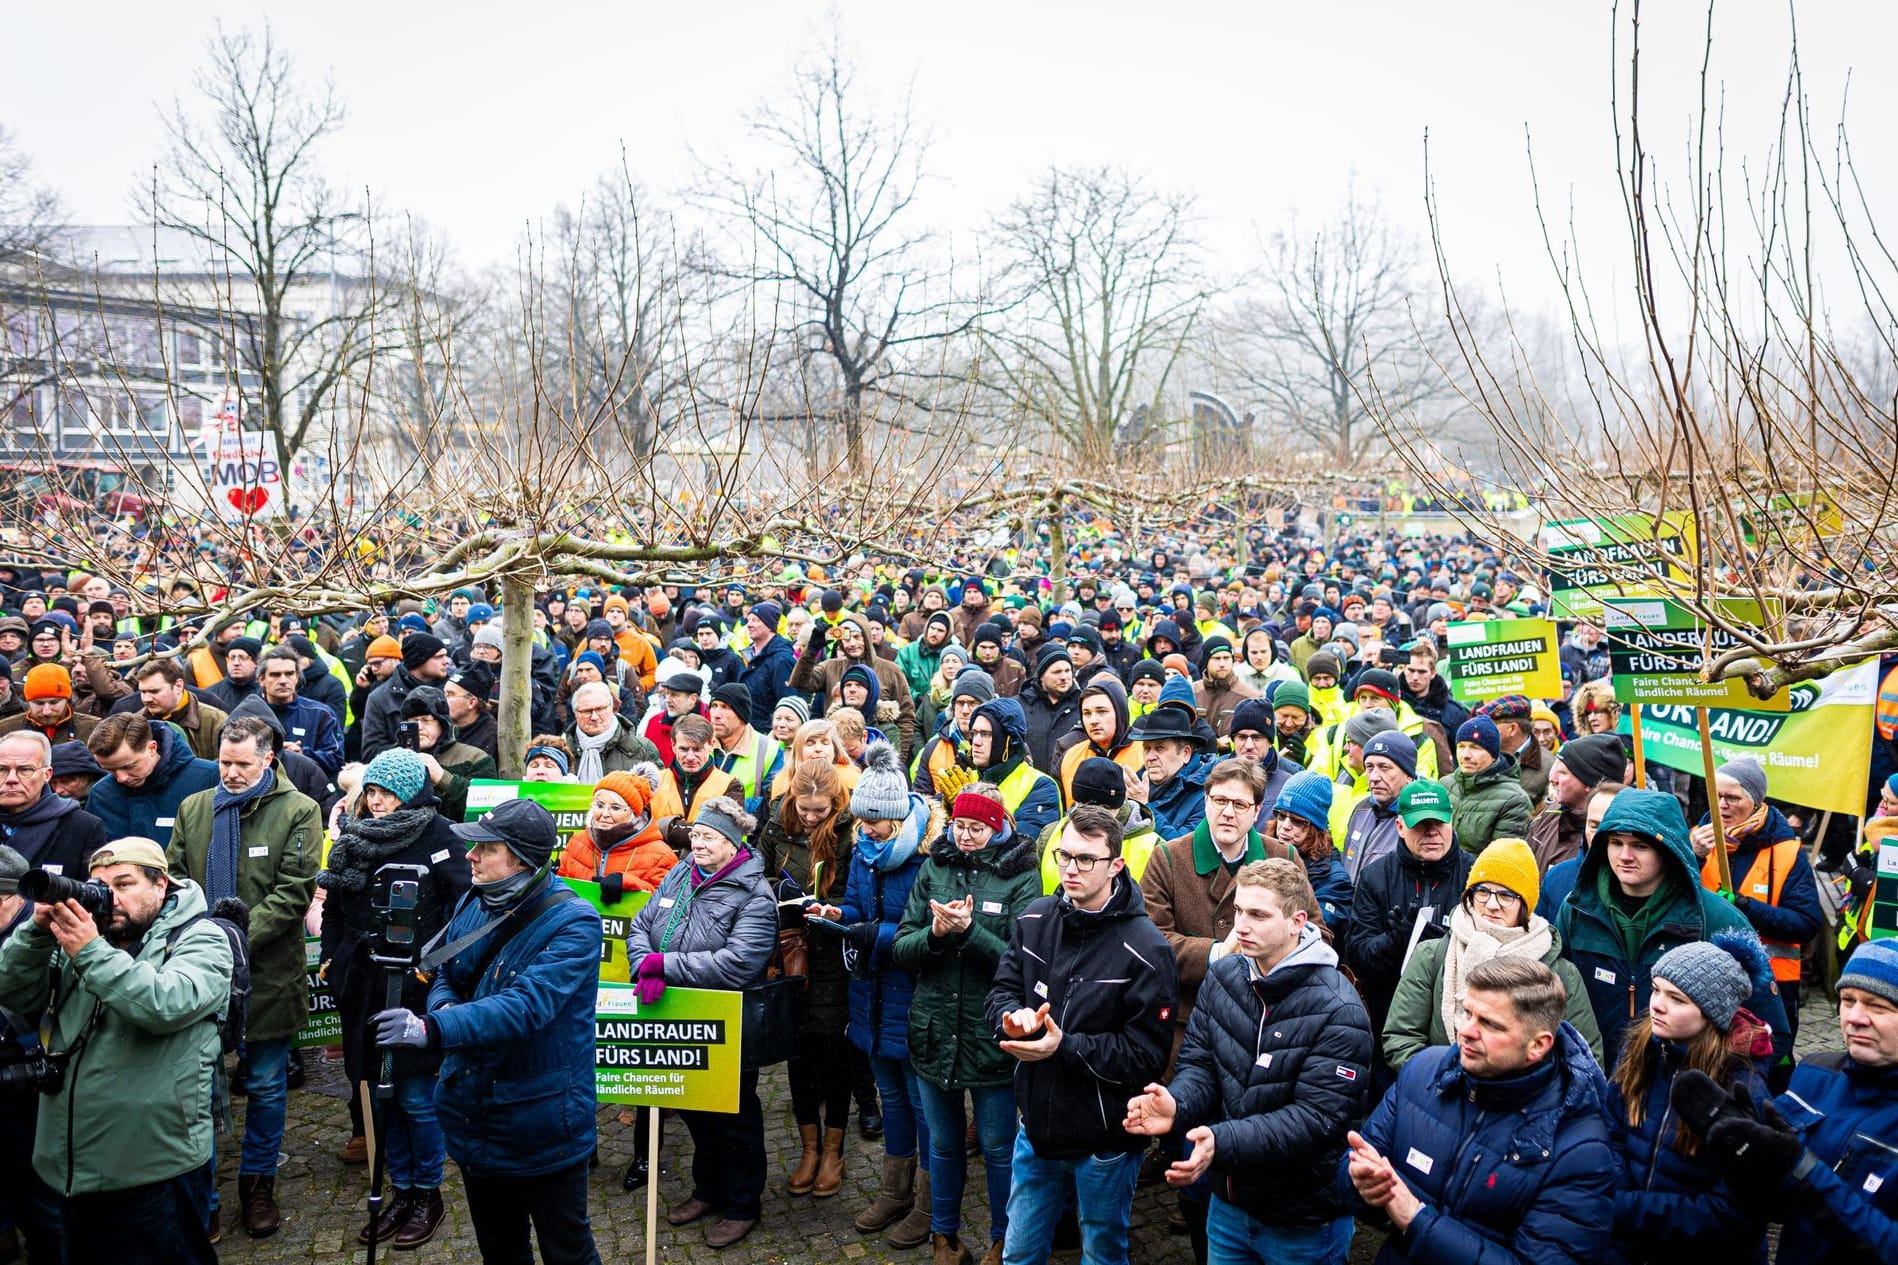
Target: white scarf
[(591, 770), (1472, 943)]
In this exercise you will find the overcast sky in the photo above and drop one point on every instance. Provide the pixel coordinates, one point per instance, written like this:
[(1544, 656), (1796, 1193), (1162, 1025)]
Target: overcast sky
[(481, 116)]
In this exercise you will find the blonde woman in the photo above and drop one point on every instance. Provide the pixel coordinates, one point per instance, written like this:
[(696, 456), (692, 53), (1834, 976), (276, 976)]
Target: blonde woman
[(816, 740)]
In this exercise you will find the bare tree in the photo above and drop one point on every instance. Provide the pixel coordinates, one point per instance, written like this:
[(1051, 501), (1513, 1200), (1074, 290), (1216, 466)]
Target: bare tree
[(292, 252), (1337, 307), (1107, 287), (832, 223), (30, 214)]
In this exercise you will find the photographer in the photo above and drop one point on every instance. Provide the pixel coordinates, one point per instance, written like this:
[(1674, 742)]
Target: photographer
[(126, 1136), (395, 824)]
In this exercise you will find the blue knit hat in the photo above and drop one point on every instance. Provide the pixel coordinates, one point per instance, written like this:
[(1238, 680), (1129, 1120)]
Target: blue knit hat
[(1717, 976), (1306, 796), (1873, 967), (1482, 731), (1394, 745), (398, 771)]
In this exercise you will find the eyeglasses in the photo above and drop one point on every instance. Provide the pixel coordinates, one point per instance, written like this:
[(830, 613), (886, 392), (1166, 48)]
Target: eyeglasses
[(1501, 897), (1235, 806), (1085, 864), (962, 827), (23, 772)]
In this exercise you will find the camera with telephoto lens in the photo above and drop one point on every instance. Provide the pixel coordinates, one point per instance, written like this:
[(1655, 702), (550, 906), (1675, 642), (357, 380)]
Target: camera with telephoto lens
[(43, 887), (28, 1071), (396, 898)]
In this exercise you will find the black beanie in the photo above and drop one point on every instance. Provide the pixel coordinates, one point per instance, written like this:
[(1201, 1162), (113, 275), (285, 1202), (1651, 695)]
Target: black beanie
[(419, 648), (1100, 781), (1594, 759), (736, 696)]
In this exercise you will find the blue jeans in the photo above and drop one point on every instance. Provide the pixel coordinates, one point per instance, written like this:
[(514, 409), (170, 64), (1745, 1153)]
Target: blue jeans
[(1235, 1238), (995, 1127), (1103, 1186), (413, 1135), (269, 1089), (905, 1128)]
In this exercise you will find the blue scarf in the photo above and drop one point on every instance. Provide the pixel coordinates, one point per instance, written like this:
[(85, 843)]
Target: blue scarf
[(891, 854), (220, 862)]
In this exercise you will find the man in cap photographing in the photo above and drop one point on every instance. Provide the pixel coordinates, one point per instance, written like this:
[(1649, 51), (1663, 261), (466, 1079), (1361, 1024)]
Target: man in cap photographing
[(512, 1013)]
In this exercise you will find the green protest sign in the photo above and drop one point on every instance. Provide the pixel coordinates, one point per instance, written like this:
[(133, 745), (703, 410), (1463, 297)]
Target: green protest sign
[(1817, 753), (565, 800), (1489, 658), (1884, 923), (683, 1051), (614, 921), (1656, 647), (324, 1026), (1590, 558)]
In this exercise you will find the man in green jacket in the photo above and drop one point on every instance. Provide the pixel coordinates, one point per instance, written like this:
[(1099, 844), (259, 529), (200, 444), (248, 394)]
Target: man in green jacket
[(133, 1011), (1489, 802), (257, 838)]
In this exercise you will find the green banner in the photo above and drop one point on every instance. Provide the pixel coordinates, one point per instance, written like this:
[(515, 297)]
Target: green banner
[(1816, 754), (1884, 923), (1657, 647), (683, 1051), (565, 800), (614, 921), (1489, 658), (325, 1023), (1590, 558)]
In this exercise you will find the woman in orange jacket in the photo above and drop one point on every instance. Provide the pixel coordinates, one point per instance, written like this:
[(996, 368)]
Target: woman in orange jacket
[(621, 849)]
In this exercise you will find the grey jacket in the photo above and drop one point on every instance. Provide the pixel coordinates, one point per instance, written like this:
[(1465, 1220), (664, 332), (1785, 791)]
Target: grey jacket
[(717, 932)]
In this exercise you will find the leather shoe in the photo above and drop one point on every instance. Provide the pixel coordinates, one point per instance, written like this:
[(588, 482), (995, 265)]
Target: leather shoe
[(356, 1151), (689, 1211), (257, 1197), (425, 1213), (727, 1232), (637, 1173), (390, 1219)]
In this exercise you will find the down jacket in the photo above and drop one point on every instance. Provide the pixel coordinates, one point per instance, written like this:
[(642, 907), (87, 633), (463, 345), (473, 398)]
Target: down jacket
[(1488, 806), (723, 938), (881, 877), (1840, 1203), (1390, 894), (949, 1043), (1109, 982), (1514, 1171), (516, 1090), (1279, 1066)]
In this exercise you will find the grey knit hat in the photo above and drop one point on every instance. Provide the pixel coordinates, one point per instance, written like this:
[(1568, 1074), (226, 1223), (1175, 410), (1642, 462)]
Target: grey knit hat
[(972, 683), (797, 705), (1368, 724), (12, 865), (1711, 974), (882, 792), (1748, 773)]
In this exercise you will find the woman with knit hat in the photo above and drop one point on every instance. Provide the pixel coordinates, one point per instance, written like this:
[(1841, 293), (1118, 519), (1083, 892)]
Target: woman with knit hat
[(894, 828), (621, 848), (1301, 818), (1495, 919), (1675, 1205), (395, 823)]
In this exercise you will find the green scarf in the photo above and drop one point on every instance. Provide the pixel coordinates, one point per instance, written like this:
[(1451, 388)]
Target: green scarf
[(1206, 858), (1634, 927)]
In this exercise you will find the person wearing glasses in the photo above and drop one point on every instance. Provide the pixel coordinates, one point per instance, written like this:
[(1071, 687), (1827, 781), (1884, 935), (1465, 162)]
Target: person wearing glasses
[(1495, 919), (1083, 1000)]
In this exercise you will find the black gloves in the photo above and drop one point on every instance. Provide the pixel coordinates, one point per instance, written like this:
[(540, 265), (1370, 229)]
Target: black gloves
[(1753, 1148), (612, 889)]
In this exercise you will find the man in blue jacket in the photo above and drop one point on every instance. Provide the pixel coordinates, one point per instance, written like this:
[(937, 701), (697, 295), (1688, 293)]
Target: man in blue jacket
[(310, 729), (152, 772), (1496, 1148), (513, 1015), (768, 664), (1824, 1164)]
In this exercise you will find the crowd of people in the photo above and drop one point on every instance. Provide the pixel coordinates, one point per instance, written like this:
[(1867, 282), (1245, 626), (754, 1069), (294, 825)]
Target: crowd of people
[(1196, 874)]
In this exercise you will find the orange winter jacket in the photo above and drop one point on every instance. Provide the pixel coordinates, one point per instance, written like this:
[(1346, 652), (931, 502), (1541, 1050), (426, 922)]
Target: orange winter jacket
[(642, 860)]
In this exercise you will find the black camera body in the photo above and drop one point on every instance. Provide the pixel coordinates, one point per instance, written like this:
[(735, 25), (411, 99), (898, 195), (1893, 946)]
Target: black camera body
[(27, 1071), (43, 887)]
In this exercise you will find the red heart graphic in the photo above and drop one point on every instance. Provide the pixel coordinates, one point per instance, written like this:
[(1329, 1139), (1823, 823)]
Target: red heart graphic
[(247, 501)]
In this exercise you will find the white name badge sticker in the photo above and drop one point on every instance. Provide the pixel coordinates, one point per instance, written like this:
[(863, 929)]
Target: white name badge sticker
[(435, 858), (991, 906), (1419, 1161), (261, 850), (1605, 975)]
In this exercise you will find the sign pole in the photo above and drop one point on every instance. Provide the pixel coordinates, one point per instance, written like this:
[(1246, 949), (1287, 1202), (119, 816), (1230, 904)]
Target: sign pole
[(652, 1186), (1640, 753), (1713, 804)]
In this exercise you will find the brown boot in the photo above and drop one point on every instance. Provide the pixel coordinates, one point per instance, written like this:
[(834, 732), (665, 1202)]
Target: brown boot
[(913, 1229), (949, 1252), (424, 1217), (805, 1174), (895, 1199), (356, 1150), (830, 1167), (727, 1232), (395, 1209), (257, 1197), (994, 1255)]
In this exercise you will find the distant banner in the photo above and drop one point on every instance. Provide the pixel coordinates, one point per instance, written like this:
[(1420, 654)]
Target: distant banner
[(325, 1023), (683, 1051), (1816, 754), (567, 801), (1590, 558), (1489, 658), (1657, 646), (1884, 923)]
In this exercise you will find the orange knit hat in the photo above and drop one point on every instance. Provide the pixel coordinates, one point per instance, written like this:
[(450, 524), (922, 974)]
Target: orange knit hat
[(628, 786), (48, 680)]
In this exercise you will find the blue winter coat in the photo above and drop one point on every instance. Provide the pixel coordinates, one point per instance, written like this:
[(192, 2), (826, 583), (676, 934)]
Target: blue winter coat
[(1332, 886), (1179, 803), (878, 891), (150, 811), (1618, 988), (1840, 1203), (1514, 1170), (1672, 1207), (767, 674), (516, 1091), (317, 729)]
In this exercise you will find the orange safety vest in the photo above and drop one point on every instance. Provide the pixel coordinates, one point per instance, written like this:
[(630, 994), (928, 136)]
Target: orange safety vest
[(204, 669), (1755, 885), (665, 798), (1131, 757)]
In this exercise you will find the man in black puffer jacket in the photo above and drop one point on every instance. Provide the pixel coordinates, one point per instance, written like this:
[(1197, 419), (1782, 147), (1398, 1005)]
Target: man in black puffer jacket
[(1275, 1071), (1084, 998)]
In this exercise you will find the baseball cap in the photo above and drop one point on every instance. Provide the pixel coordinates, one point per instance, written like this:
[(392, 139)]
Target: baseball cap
[(131, 851), (524, 826), (1423, 800)]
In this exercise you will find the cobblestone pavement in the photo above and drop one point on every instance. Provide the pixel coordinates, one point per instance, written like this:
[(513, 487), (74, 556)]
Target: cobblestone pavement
[(323, 1201)]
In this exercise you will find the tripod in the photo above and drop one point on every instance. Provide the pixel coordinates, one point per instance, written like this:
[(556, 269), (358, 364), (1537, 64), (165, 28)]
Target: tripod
[(397, 895)]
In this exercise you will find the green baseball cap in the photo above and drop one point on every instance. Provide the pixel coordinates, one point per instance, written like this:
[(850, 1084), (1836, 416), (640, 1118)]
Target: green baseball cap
[(1423, 800)]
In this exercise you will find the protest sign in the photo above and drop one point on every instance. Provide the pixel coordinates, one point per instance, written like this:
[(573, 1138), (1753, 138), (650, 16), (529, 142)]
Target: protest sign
[(242, 473), (614, 920), (325, 1023), (682, 1051), (1816, 753), (1884, 924), (1590, 558), (1489, 658), (1657, 646)]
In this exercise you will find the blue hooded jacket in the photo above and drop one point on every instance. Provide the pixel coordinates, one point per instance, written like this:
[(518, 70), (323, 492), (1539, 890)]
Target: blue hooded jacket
[(877, 891), (149, 810)]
